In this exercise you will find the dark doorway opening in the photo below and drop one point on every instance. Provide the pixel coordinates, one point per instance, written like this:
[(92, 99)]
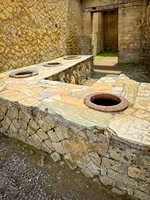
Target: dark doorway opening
[(111, 30)]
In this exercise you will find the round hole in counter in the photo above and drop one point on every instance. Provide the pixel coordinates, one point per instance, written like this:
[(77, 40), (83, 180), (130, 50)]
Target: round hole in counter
[(23, 73), (51, 64), (106, 102), (71, 57)]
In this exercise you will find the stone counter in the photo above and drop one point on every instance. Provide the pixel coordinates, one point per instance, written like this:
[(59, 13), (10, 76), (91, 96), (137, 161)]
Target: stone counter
[(51, 115)]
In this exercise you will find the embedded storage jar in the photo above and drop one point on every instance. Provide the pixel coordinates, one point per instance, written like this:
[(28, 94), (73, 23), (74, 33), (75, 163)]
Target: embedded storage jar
[(106, 102), (25, 73)]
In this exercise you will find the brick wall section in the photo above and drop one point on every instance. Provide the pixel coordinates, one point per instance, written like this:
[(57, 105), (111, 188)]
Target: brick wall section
[(36, 31), (99, 154)]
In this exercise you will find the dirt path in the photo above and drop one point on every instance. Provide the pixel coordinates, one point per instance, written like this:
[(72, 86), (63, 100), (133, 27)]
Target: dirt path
[(29, 174)]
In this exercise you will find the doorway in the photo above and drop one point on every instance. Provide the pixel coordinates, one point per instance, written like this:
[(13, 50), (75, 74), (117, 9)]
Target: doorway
[(111, 30)]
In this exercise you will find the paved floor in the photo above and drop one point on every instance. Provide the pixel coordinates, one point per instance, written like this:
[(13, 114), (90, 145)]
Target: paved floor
[(109, 65), (26, 174)]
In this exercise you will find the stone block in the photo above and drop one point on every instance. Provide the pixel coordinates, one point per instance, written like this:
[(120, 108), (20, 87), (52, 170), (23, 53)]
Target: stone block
[(103, 170), (70, 162), (58, 147), (55, 156), (141, 195), (49, 144), (78, 158), (144, 162), (100, 148), (86, 145), (87, 172), (126, 157), (47, 123), (61, 132), (122, 180), (139, 174), (71, 146), (34, 124), (114, 165), (93, 168), (52, 135), (106, 180), (145, 187), (95, 158), (42, 134), (37, 140), (117, 191)]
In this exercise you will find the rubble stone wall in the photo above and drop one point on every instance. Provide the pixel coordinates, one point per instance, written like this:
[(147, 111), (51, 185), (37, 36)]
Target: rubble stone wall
[(133, 27), (99, 154), (145, 46), (36, 31), (77, 74)]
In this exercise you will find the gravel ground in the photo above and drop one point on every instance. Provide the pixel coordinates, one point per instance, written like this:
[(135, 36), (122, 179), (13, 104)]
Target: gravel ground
[(26, 173)]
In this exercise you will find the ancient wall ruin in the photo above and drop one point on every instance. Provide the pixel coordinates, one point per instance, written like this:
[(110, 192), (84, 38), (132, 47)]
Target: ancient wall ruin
[(115, 162), (145, 45), (133, 31), (33, 31)]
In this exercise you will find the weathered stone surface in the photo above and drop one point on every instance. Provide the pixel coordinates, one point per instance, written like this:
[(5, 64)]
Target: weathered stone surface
[(53, 136), (131, 128), (139, 174), (103, 170), (95, 158), (125, 157), (117, 191), (122, 180), (47, 123), (144, 162), (101, 148), (86, 145), (87, 172), (37, 140), (141, 195), (61, 132), (145, 187), (114, 165), (49, 144), (58, 147), (42, 134), (56, 157), (71, 146), (78, 158), (70, 162), (106, 180), (12, 95), (93, 168)]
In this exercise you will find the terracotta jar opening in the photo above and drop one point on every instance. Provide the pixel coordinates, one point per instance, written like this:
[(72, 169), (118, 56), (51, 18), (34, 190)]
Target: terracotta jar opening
[(51, 64), (106, 102), (71, 57), (23, 73)]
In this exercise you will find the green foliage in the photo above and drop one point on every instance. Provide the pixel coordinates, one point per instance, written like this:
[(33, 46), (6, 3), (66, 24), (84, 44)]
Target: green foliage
[(1, 120), (19, 109), (138, 181)]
